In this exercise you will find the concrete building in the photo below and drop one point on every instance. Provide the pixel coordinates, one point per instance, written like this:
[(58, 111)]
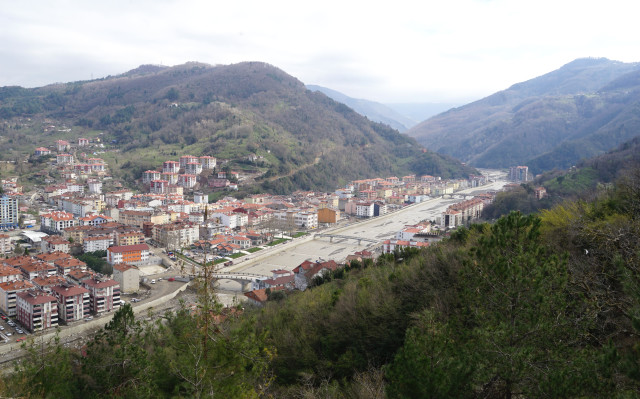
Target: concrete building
[(193, 168), (128, 276), (176, 235), (185, 159), (36, 310), (132, 254), (150, 175), (187, 180), (73, 302), (170, 167), (8, 291), (5, 244), (328, 215), (8, 274), (56, 222), (96, 243), (364, 209), (104, 294), (8, 212), (54, 243), (207, 162), (519, 173)]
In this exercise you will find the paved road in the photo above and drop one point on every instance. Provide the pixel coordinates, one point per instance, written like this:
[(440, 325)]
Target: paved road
[(288, 256)]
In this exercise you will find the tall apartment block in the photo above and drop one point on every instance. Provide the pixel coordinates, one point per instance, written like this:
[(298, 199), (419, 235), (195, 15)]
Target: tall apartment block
[(8, 212)]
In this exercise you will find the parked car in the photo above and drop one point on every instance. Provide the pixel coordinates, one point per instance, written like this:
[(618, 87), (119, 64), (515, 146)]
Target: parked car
[(153, 281), (171, 279)]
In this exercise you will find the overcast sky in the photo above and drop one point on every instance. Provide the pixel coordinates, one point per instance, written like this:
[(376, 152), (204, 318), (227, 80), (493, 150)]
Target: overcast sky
[(387, 51)]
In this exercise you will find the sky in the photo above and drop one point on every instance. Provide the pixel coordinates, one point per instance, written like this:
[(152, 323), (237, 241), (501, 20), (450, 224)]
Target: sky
[(387, 51)]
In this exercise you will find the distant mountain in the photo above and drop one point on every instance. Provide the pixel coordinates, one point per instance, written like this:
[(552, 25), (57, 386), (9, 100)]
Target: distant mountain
[(418, 112), (376, 112), (303, 139), (580, 110)]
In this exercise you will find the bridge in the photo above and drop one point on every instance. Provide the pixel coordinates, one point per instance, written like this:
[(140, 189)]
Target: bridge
[(245, 279), (359, 239)]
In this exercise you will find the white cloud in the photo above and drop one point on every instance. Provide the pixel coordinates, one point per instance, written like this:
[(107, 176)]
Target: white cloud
[(385, 51)]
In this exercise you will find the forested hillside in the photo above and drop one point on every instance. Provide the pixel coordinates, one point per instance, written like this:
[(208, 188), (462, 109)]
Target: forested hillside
[(583, 109), (580, 182), (532, 306), (304, 139)]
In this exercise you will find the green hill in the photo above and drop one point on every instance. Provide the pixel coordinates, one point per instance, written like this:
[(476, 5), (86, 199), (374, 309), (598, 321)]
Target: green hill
[(580, 110), (305, 139)]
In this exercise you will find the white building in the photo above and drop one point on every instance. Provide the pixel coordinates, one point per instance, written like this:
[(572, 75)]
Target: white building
[(8, 212), (97, 243), (170, 167), (365, 209), (187, 180), (56, 222), (128, 276), (193, 168), (95, 186), (207, 162)]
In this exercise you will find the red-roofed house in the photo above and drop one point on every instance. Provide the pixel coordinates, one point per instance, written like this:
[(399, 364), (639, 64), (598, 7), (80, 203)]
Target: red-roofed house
[(259, 297), (62, 145), (42, 151), (45, 283), (389, 246), (78, 275), (65, 266), (56, 222), (8, 273), (285, 282), (53, 244), (53, 257), (306, 271), (38, 268), (36, 310), (94, 220)]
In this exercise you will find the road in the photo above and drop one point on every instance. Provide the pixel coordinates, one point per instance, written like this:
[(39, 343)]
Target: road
[(289, 255)]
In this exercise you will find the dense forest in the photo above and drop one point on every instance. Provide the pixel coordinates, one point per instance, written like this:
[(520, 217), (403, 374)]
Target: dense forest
[(540, 305)]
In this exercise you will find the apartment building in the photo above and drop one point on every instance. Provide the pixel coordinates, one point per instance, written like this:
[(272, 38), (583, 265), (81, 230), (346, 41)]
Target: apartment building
[(104, 294), (8, 212), (8, 292), (128, 276), (176, 235), (36, 310), (72, 300), (132, 254)]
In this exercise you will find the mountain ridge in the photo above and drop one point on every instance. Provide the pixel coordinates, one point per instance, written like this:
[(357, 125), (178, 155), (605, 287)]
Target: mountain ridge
[(550, 121), (228, 111)]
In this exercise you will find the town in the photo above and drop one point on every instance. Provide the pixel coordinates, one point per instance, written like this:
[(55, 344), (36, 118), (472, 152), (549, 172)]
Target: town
[(74, 251)]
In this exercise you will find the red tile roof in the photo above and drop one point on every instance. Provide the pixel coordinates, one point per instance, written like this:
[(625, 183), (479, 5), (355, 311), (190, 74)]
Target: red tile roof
[(129, 248), (36, 297)]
